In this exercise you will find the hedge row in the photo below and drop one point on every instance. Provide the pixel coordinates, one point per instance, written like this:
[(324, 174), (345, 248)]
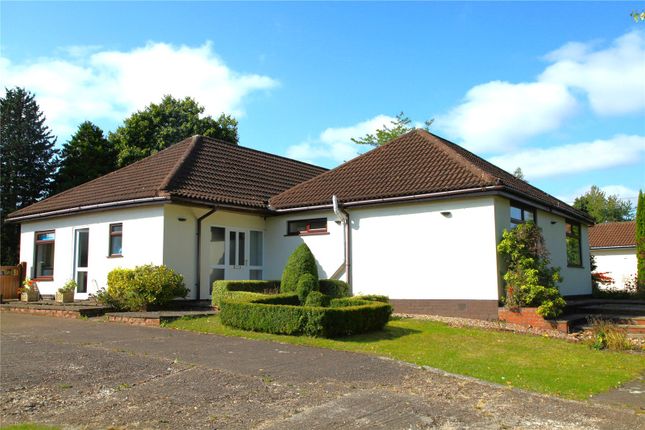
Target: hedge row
[(333, 288), (246, 289), (254, 313)]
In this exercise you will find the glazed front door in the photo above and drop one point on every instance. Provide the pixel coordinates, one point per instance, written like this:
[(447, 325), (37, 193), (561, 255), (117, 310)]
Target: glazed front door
[(237, 258)]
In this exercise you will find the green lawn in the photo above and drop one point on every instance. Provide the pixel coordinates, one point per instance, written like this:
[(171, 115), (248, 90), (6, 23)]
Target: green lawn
[(542, 364)]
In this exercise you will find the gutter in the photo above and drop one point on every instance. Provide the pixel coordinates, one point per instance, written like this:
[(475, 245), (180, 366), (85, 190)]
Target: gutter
[(86, 208), (395, 199), (198, 259), (492, 189), (613, 247)]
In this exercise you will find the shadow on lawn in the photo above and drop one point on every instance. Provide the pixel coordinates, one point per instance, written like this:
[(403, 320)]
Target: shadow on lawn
[(389, 333)]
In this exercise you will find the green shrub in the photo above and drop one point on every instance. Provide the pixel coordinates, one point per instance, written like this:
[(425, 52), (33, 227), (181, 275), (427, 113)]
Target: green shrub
[(334, 288), (256, 315), (306, 284), (142, 287), (223, 289), (530, 281), (300, 262), (68, 287), (316, 298), (607, 335)]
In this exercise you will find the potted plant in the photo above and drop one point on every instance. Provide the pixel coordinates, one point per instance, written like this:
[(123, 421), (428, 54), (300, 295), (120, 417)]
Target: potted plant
[(65, 294), (29, 291)]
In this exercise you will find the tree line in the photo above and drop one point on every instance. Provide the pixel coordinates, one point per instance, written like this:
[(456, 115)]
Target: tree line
[(33, 168)]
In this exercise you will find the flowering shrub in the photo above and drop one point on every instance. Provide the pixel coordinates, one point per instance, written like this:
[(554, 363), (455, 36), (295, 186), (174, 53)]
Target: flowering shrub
[(144, 286), (28, 286), (530, 280)]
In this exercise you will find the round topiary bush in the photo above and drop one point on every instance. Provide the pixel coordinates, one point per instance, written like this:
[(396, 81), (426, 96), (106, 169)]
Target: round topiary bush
[(318, 299), (300, 262), (306, 285)]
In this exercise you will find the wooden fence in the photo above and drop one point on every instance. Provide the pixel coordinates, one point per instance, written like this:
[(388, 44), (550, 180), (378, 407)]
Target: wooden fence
[(11, 278)]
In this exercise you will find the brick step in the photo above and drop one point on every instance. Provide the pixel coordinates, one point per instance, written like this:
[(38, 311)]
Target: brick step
[(617, 319), (613, 309), (630, 329)]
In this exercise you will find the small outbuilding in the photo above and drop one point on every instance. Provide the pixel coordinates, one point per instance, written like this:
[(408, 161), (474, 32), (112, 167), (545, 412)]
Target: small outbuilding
[(613, 245)]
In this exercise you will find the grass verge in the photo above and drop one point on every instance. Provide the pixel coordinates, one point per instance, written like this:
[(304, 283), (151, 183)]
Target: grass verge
[(542, 364)]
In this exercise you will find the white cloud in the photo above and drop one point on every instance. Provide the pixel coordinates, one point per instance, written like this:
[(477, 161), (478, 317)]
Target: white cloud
[(620, 150), (501, 115), (613, 78), (109, 85), (334, 144), (498, 115)]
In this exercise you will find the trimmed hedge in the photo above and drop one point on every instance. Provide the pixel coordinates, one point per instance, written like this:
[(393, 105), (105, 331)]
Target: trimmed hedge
[(255, 314), (306, 284), (316, 298), (300, 262), (334, 288), (247, 289)]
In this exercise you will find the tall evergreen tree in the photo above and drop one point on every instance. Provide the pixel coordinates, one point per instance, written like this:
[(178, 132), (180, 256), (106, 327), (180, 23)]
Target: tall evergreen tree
[(160, 125), (28, 161), (640, 240), (86, 156)]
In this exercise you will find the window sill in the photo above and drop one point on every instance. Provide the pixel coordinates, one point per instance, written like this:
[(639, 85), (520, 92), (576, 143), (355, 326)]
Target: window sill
[(575, 266), (313, 233), (43, 279), (115, 256)]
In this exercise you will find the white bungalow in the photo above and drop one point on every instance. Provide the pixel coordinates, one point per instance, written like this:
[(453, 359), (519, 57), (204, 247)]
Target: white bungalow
[(417, 219)]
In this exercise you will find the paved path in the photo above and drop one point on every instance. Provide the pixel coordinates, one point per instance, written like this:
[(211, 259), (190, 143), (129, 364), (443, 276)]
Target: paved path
[(90, 374)]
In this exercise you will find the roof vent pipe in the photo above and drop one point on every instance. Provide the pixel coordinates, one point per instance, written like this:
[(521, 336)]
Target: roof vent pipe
[(339, 213)]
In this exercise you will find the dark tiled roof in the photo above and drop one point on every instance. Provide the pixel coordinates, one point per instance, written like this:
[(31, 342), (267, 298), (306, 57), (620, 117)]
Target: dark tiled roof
[(198, 168), (612, 234), (416, 163)]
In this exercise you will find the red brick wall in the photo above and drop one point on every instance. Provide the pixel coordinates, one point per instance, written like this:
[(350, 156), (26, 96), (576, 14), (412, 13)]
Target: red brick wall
[(528, 317), (477, 309), (46, 312), (148, 322)]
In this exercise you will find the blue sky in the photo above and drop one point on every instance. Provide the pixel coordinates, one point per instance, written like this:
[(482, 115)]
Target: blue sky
[(555, 88)]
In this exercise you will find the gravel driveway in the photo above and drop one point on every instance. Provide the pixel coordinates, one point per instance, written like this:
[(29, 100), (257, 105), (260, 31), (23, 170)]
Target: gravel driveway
[(92, 374)]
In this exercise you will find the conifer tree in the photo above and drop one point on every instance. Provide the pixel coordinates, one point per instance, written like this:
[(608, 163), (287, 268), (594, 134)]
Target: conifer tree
[(86, 156), (28, 162), (640, 241)]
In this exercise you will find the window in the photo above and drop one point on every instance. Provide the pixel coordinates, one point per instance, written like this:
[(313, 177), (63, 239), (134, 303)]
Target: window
[(521, 214), (44, 255), (574, 249), (116, 240), (307, 226)]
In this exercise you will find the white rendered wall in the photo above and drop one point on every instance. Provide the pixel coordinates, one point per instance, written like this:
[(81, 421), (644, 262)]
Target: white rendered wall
[(327, 248), (412, 251), (619, 263), (575, 280), (142, 244)]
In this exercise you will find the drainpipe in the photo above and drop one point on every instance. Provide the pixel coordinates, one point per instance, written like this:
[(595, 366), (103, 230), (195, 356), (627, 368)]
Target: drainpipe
[(198, 263), (344, 219)]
